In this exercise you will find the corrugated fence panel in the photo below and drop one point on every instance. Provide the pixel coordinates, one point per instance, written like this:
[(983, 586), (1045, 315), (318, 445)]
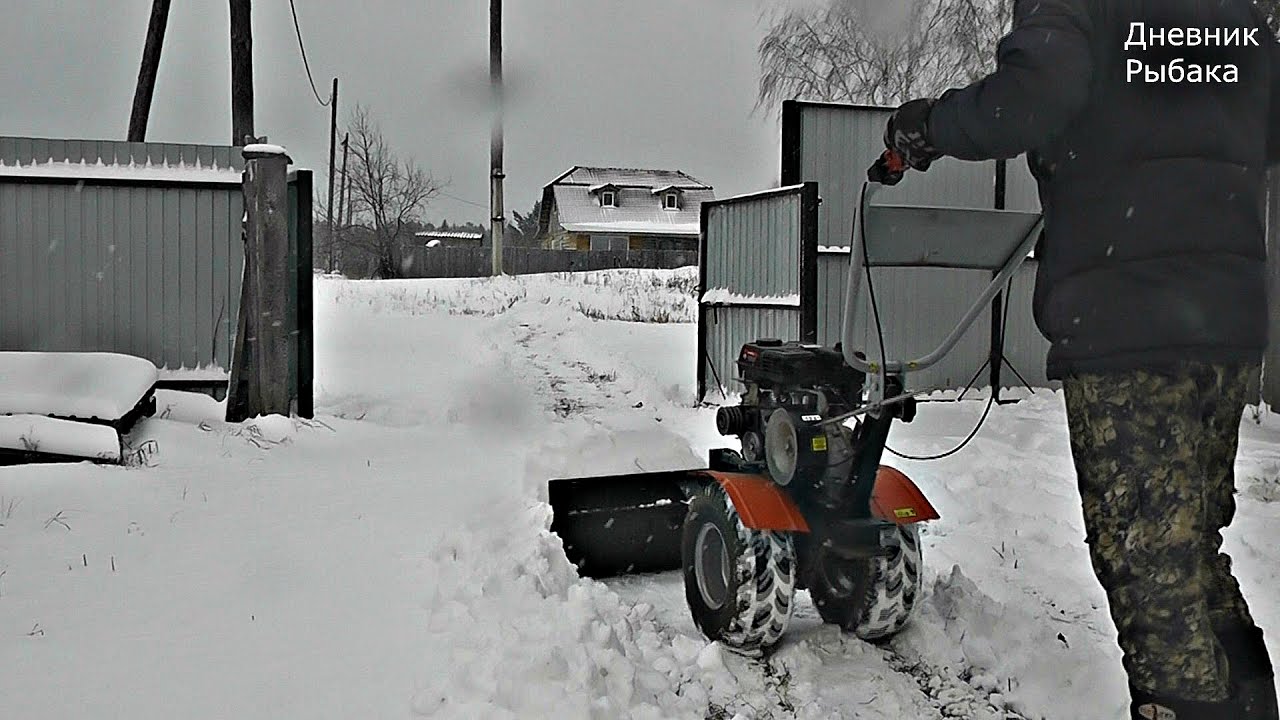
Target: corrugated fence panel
[(918, 306), (918, 309), (751, 249), (728, 327), (838, 143), (1020, 191), (1025, 349), (26, 150), (753, 246), (148, 268)]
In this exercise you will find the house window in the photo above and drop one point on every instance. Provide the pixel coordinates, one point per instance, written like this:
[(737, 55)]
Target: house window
[(671, 201), (609, 198)]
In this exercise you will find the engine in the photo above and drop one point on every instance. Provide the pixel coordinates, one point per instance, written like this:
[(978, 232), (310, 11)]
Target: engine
[(791, 390)]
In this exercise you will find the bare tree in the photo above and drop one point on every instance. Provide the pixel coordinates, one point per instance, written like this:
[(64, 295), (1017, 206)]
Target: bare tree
[(870, 51), (1270, 8), (387, 196), (885, 53)]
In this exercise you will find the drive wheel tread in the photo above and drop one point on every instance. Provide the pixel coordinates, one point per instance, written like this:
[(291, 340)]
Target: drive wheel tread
[(762, 577), (883, 593)]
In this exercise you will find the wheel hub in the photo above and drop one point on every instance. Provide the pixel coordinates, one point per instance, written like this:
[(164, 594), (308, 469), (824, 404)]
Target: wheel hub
[(711, 566)]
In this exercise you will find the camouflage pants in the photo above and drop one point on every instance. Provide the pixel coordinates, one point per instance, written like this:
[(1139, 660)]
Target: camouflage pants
[(1154, 456)]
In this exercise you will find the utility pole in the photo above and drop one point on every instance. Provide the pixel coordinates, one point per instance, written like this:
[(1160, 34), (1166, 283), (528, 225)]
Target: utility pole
[(147, 73), (241, 72), (342, 203), (495, 144), (333, 138)]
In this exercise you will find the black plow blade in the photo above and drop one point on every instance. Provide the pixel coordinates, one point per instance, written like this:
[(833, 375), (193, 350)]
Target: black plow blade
[(621, 524)]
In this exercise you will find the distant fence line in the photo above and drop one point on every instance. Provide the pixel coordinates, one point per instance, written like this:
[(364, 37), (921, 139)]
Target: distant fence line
[(457, 262)]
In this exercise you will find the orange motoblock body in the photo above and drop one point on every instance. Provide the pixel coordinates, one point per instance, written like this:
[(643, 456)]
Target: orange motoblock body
[(763, 505)]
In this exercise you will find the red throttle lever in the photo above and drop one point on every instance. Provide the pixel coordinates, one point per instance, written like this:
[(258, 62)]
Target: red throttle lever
[(888, 169)]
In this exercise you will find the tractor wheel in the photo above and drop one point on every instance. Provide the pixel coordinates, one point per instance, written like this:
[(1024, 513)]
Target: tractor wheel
[(738, 582), (872, 598)]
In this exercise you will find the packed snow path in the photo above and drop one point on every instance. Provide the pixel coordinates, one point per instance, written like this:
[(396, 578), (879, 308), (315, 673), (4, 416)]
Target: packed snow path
[(392, 559)]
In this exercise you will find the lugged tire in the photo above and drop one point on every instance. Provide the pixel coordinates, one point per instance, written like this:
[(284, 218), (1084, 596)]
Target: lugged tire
[(761, 574), (872, 598)]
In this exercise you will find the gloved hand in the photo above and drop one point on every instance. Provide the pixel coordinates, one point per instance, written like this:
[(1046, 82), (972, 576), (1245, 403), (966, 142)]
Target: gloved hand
[(908, 134)]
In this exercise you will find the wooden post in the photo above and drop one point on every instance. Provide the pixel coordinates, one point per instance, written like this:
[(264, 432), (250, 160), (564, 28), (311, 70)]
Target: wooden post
[(333, 139), (147, 73), (495, 144), (344, 204), (260, 370), (241, 73)]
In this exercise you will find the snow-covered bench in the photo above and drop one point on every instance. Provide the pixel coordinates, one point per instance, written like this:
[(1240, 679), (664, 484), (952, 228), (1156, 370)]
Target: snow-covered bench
[(71, 406)]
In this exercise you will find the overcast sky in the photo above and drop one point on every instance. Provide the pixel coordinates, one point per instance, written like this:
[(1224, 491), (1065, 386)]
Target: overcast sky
[(653, 83)]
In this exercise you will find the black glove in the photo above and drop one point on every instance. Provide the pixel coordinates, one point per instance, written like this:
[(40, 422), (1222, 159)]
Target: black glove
[(908, 134)]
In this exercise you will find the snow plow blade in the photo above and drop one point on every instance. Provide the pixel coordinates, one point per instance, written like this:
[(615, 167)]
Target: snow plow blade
[(621, 524)]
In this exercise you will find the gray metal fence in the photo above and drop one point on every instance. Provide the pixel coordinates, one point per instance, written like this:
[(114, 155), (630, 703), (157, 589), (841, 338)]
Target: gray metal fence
[(122, 247), (834, 144), (759, 258), (447, 262), (920, 306)]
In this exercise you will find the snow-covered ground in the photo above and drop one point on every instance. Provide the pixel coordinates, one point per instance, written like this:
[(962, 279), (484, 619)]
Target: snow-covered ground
[(391, 558)]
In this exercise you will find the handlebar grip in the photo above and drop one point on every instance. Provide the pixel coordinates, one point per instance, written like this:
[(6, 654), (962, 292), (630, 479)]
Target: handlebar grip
[(888, 169)]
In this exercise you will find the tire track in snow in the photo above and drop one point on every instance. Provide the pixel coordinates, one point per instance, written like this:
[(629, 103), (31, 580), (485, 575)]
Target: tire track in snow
[(778, 686)]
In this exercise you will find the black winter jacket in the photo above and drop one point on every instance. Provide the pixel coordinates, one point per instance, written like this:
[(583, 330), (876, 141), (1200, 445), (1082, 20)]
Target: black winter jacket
[(1153, 193)]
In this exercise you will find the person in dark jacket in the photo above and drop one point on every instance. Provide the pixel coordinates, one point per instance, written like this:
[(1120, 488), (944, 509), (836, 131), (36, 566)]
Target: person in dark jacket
[(1151, 290)]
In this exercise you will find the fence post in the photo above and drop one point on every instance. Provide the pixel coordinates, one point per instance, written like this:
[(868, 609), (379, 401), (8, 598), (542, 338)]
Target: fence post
[(260, 368), (1270, 380)]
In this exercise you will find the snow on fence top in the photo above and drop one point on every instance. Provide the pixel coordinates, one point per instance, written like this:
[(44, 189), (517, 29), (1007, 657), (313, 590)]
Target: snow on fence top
[(722, 296), (62, 160), (103, 386), (137, 173)]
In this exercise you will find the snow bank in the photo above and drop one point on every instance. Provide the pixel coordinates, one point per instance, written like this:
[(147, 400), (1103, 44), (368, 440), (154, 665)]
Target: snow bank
[(632, 294), (37, 433), (522, 637), (104, 386)]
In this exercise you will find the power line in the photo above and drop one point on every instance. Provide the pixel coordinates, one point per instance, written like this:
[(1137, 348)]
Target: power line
[(461, 200), (305, 64)]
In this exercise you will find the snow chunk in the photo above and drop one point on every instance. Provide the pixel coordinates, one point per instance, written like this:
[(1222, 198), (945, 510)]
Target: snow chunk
[(105, 386), (727, 297), (265, 148), (37, 433)]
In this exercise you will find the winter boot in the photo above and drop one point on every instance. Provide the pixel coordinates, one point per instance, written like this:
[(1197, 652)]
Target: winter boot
[(1252, 679), (1146, 706)]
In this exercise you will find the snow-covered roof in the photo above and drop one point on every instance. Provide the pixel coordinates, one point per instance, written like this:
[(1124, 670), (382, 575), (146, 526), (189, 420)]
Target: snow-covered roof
[(635, 228), (629, 177), (449, 235), (142, 173), (637, 212), (667, 188)]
